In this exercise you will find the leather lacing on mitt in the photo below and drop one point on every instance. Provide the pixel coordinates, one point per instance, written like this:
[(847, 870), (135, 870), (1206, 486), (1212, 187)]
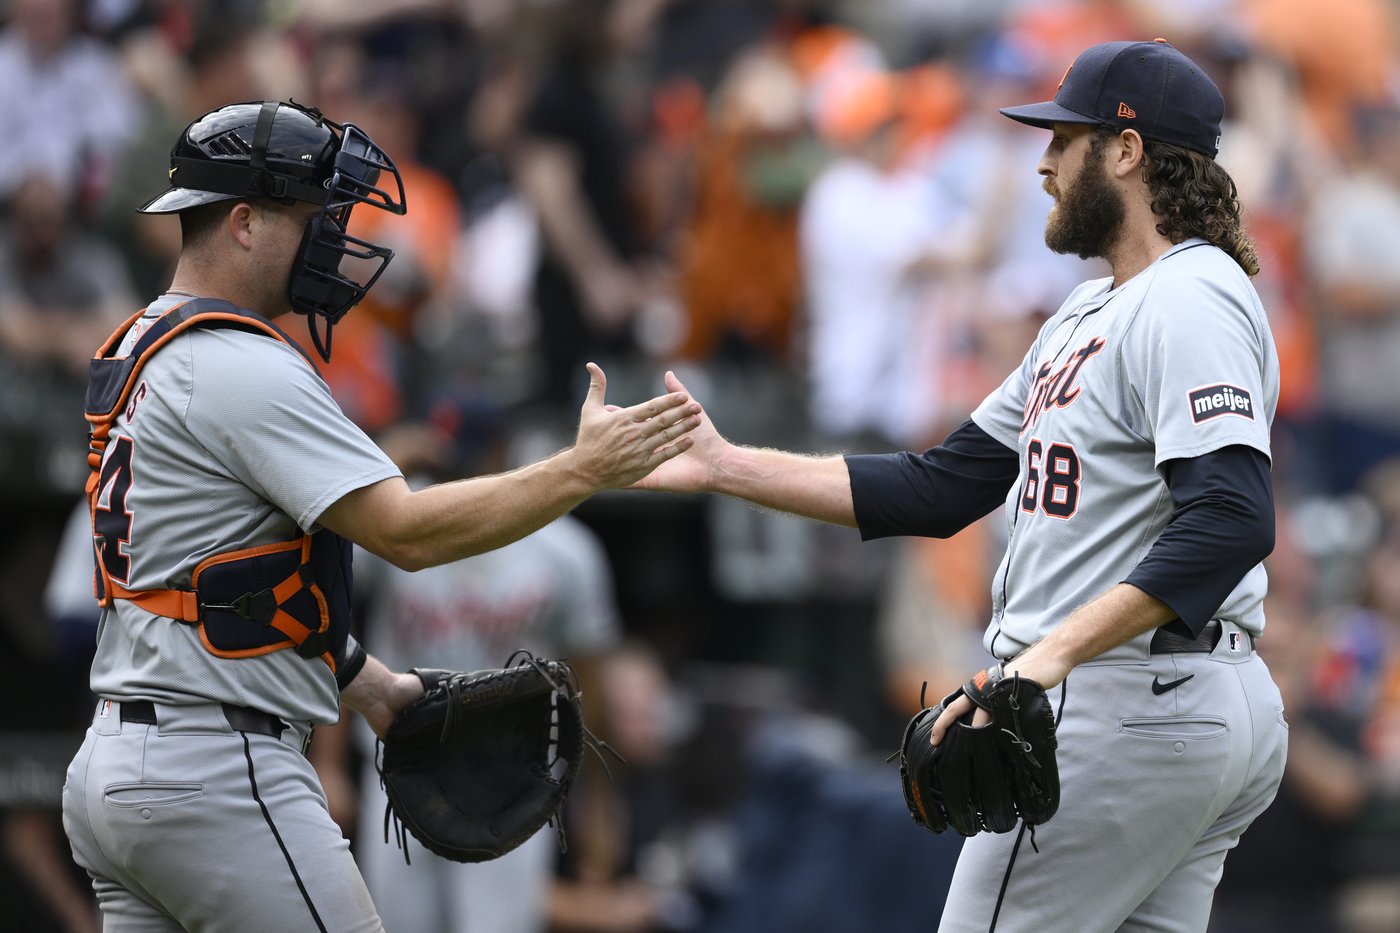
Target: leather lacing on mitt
[(484, 759)]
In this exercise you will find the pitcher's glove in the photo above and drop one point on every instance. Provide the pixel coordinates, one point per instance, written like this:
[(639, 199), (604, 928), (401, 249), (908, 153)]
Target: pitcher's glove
[(482, 760), (984, 778)]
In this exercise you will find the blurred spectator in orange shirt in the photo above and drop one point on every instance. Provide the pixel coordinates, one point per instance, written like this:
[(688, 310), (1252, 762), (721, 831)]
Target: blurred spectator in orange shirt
[(1057, 29), (739, 276), (1343, 51)]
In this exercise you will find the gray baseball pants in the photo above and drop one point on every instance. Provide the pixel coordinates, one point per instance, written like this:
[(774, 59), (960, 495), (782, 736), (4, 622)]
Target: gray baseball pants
[(191, 825), (1156, 788)]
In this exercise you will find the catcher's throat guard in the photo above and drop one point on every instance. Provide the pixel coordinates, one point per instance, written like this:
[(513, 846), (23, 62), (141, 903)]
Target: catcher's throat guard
[(248, 602)]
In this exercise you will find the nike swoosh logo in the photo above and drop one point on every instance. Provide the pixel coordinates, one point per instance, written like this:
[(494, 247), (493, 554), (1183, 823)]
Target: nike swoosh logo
[(1160, 688)]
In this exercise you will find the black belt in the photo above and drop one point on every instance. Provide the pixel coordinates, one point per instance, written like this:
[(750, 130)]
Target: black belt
[(240, 718), (1166, 641)]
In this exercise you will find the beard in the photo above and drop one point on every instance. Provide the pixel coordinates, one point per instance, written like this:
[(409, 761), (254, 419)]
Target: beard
[(1087, 216)]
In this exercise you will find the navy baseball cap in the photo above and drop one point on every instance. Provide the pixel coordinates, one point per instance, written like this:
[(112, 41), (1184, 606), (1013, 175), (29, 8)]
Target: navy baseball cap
[(1146, 86)]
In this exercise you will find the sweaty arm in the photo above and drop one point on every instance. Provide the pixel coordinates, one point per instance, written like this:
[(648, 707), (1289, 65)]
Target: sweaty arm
[(813, 487), (417, 529), (935, 493)]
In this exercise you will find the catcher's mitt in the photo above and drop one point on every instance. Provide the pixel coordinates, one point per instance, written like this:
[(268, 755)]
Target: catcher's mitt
[(984, 778), (482, 760)]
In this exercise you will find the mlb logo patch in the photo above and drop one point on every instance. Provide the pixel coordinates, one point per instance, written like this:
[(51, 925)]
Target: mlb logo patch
[(105, 711), (1222, 399), (1234, 641)]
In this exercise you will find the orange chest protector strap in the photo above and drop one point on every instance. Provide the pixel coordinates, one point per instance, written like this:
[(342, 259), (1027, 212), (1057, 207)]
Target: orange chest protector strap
[(247, 602)]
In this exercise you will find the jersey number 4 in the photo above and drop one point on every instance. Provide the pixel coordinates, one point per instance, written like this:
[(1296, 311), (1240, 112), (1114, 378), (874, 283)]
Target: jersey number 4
[(1052, 479), (111, 522)]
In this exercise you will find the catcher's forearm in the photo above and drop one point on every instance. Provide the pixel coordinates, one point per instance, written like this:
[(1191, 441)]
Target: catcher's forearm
[(813, 487), (471, 516), (448, 522), (378, 693)]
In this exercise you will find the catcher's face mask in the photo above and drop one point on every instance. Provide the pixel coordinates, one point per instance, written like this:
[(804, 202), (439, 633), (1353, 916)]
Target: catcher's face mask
[(287, 152), (318, 286)]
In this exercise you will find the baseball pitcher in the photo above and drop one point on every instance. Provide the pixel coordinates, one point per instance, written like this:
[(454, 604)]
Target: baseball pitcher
[(1127, 721)]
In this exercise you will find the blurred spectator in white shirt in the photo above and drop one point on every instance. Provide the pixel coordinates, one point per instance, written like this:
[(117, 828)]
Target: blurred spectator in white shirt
[(67, 107)]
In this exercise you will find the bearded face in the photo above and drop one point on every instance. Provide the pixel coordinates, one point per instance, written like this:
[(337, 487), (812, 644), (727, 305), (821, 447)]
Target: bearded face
[(1088, 210)]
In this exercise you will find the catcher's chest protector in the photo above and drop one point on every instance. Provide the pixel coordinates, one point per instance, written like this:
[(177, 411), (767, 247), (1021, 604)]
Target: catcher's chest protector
[(247, 602)]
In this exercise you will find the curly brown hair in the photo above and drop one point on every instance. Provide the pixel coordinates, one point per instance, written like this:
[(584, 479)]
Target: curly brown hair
[(1193, 196)]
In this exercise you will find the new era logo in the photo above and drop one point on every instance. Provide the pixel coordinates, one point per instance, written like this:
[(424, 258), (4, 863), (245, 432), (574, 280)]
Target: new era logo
[(1212, 401), (1125, 112)]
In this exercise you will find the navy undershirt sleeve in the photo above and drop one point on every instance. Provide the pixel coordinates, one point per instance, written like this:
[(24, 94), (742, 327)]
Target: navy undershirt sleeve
[(349, 667), (936, 493), (1222, 526)]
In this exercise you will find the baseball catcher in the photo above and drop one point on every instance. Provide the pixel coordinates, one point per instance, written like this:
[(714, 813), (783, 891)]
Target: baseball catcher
[(984, 777), (482, 760)]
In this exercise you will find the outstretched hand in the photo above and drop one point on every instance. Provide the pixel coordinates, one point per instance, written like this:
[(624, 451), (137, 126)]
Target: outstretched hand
[(691, 469), (619, 446)]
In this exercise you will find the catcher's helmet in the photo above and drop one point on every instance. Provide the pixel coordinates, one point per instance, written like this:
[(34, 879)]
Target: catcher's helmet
[(287, 152)]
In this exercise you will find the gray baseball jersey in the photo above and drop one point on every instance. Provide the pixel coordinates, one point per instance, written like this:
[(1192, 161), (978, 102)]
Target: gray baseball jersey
[(1176, 362), (236, 442)]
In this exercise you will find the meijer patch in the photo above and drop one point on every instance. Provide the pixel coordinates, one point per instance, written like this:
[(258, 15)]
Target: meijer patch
[(1212, 401)]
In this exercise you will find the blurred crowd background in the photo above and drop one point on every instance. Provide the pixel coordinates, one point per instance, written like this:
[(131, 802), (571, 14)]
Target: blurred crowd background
[(811, 211)]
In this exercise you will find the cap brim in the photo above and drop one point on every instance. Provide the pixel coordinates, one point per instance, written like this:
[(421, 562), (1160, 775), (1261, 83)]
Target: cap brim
[(177, 199), (1044, 114)]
